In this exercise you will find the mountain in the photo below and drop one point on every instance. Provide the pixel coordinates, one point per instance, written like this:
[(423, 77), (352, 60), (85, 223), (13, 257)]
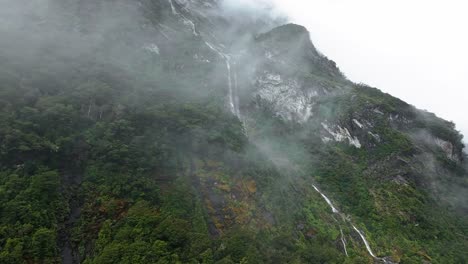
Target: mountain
[(182, 131)]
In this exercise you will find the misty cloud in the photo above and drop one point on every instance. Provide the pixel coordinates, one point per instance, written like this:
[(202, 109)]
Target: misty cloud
[(252, 9)]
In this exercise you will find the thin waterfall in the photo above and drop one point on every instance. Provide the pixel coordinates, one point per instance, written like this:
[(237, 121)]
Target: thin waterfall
[(185, 20), (363, 238), (230, 94), (174, 11), (233, 106), (343, 240), (334, 210), (236, 91), (191, 24), (365, 242)]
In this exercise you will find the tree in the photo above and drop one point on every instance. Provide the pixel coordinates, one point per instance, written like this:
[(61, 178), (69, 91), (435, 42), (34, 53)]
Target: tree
[(44, 248), (12, 252), (45, 186)]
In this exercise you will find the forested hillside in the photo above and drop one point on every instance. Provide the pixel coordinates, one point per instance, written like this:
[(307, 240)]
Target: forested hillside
[(167, 131)]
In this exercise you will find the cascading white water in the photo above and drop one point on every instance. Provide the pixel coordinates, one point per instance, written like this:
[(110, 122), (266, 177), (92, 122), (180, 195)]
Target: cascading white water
[(185, 20), (233, 106), (363, 238), (191, 24), (343, 240), (365, 242), (214, 49), (334, 210), (236, 95), (174, 12), (230, 93)]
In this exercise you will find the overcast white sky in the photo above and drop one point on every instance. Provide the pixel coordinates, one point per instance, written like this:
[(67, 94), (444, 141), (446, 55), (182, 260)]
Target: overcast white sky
[(416, 50)]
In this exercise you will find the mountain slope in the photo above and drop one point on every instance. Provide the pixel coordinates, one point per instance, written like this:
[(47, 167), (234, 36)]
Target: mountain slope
[(172, 131)]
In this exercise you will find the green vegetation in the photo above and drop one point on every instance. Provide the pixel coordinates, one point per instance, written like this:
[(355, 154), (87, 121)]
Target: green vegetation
[(136, 159)]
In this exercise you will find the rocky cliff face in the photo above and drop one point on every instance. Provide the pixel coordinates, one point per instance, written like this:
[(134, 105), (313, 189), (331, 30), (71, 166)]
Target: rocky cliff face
[(249, 134)]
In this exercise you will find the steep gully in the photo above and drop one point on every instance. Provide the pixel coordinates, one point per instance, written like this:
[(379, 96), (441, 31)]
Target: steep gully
[(72, 185)]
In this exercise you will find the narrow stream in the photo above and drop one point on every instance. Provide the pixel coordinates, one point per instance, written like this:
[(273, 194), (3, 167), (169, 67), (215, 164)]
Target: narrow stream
[(361, 235), (230, 95), (343, 240), (334, 210), (174, 12), (233, 105), (365, 242), (185, 20)]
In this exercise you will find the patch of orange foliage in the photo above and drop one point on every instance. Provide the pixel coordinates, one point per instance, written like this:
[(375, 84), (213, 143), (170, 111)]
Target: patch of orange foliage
[(251, 186), (224, 187)]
